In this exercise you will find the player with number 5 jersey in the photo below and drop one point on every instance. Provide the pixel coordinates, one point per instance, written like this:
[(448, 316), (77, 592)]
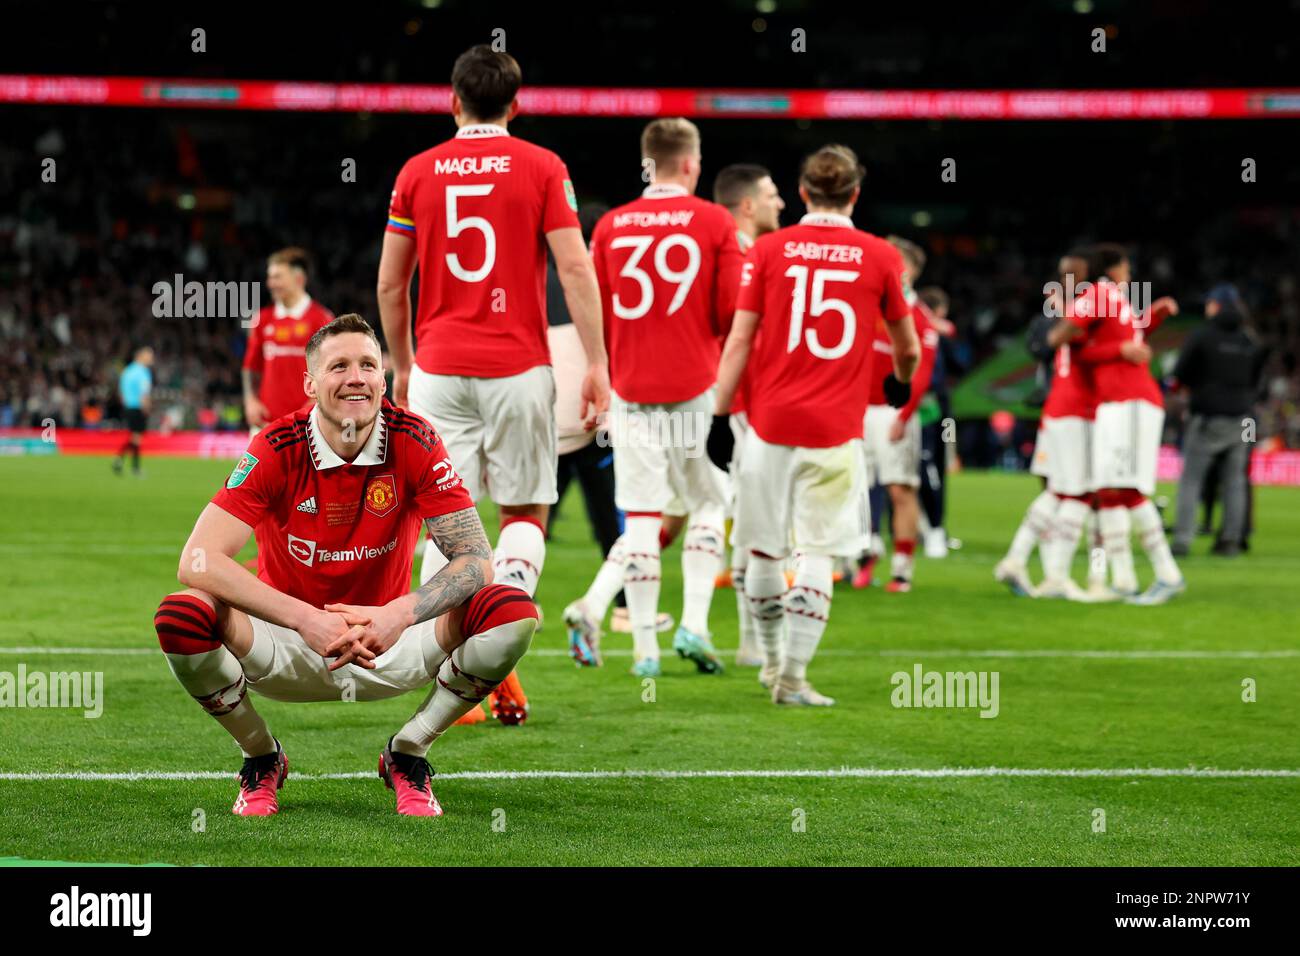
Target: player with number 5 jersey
[(810, 298), (477, 214)]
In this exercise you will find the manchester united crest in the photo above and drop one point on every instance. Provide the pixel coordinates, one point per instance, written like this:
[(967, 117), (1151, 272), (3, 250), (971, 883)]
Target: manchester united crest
[(381, 495)]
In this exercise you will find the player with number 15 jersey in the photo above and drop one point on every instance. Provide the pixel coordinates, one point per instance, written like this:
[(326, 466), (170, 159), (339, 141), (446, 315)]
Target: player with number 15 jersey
[(810, 298)]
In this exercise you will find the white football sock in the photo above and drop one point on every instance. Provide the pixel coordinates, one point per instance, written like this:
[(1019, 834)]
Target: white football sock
[(1115, 532), (748, 642), (1150, 531), (215, 679), (764, 589), (1066, 531), (902, 563), (807, 606), (520, 555), (1096, 553), (607, 582), (1035, 527), (641, 582), (464, 678), (431, 562), (701, 562)]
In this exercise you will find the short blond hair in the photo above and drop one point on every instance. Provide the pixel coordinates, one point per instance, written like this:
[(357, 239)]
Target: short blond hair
[(293, 257), (666, 141), (348, 322)]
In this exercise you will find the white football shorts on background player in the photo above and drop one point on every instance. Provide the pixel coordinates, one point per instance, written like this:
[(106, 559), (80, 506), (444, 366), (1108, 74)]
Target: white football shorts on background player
[(892, 463), (499, 432), (813, 497), (1126, 445), (660, 460), (1063, 455)]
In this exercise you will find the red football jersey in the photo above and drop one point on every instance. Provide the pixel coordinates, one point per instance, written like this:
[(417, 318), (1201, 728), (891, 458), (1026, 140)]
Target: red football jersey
[(1104, 311), (882, 353), (277, 350), (820, 288), (332, 531), (668, 265), (1070, 393), (479, 207)]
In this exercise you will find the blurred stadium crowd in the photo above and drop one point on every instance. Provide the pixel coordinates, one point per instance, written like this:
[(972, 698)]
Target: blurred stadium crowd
[(141, 196)]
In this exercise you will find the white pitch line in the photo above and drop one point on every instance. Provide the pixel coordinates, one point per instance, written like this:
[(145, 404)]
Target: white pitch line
[(915, 653), (914, 773)]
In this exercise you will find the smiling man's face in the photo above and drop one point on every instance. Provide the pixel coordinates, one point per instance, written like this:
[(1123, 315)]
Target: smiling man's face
[(347, 380)]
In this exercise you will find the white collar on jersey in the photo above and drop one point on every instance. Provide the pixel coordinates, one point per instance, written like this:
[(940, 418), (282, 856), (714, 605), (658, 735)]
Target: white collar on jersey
[(480, 130), (297, 312), (663, 191), (825, 219), (323, 456)]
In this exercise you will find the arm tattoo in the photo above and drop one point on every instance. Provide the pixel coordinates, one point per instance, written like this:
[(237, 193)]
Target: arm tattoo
[(459, 536)]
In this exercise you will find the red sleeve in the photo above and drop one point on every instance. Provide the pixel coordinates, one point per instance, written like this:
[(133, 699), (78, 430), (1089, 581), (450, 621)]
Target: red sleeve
[(598, 262), (1154, 317), (256, 481), (438, 486), (401, 206), (921, 379), (559, 204), (253, 348), (1099, 352), (729, 263), (749, 295), (1082, 312), (893, 304)]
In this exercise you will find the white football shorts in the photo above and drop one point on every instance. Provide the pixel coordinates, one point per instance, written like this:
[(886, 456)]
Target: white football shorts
[(892, 463), (297, 673), (812, 499), (1126, 445), (1063, 455), (499, 432), (660, 459)]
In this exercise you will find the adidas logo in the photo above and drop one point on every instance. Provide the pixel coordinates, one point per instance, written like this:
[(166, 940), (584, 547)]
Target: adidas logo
[(308, 506)]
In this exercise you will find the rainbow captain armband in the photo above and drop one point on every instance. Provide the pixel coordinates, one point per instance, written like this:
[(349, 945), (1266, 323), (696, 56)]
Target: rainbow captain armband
[(400, 224)]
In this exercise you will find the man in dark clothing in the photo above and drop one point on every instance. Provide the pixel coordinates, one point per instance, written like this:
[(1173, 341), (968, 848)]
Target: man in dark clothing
[(1221, 363)]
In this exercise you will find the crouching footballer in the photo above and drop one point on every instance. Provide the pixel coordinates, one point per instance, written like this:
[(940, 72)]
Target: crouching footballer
[(335, 498)]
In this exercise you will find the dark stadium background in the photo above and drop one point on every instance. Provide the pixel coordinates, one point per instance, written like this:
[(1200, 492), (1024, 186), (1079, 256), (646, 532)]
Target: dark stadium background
[(144, 194)]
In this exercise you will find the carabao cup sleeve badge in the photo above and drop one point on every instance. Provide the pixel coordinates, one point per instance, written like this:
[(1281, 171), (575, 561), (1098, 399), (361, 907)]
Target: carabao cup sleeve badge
[(242, 470)]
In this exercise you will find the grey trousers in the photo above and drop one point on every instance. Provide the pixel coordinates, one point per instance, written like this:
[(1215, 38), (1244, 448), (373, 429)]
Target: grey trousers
[(1206, 437)]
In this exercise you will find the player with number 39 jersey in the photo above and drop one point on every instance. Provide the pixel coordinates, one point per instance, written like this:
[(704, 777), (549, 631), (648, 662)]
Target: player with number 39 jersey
[(668, 265), (809, 301)]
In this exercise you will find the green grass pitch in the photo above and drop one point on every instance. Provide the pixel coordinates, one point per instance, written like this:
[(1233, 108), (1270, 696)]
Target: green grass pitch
[(87, 557)]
